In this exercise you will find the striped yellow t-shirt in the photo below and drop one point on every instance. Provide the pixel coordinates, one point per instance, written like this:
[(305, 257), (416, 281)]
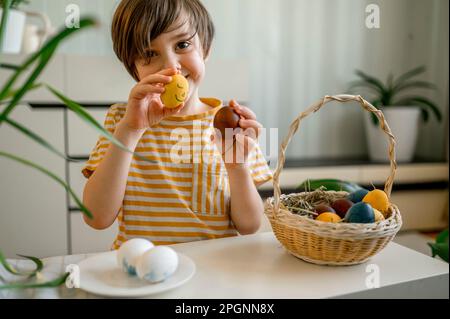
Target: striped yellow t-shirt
[(183, 194)]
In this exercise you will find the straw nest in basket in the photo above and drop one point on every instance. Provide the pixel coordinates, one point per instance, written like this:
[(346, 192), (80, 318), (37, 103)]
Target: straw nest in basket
[(324, 242)]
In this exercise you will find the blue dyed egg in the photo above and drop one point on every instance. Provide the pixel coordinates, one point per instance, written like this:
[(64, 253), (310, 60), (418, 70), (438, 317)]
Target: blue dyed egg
[(360, 213), (357, 196), (130, 251), (157, 264)]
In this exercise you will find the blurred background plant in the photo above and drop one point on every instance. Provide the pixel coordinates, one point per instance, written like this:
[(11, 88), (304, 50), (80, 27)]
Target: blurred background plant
[(390, 93), (403, 110)]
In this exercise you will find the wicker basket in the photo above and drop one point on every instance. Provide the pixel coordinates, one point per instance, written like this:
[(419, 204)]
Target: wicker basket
[(331, 243)]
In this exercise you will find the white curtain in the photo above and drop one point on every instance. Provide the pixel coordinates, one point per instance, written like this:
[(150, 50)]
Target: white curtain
[(300, 50)]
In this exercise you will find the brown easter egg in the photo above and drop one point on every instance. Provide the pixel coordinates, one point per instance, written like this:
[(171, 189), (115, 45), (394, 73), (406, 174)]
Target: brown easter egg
[(322, 208), (341, 206), (226, 117)]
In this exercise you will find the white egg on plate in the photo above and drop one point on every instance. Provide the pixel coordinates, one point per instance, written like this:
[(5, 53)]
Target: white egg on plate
[(129, 253), (157, 264)]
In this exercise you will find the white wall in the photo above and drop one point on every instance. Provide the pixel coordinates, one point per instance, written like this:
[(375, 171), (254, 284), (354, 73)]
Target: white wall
[(91, 42), (300, 50)]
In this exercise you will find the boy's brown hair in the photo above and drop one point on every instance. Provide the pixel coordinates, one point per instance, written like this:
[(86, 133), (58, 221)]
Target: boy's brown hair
[(137, 22)]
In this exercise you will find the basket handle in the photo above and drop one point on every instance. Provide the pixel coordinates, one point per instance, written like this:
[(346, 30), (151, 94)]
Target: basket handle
[(314, 108)]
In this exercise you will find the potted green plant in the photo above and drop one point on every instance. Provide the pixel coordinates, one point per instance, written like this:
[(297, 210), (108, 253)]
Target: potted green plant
[(402, 112)]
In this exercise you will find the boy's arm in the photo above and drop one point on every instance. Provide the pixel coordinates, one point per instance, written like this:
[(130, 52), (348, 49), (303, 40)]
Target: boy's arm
[(257, 184), (105, 189), (246, 204)]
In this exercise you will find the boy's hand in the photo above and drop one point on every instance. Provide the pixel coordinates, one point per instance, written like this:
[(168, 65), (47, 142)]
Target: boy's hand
[(235, 152), (144, 108)]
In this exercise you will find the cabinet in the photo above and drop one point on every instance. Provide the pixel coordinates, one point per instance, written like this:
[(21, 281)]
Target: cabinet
[(32, 205), (79, 140), (32, 214), (37, 217)]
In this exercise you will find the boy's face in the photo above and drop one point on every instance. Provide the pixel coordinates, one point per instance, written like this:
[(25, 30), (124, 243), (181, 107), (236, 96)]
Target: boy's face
[(178, 49)]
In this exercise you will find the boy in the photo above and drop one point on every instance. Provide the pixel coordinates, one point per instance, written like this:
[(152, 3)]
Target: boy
[(164, 200)]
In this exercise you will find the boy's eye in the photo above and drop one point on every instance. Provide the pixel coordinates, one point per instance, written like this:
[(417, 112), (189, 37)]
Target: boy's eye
[(151, 54), (183, 45), (148, 56)]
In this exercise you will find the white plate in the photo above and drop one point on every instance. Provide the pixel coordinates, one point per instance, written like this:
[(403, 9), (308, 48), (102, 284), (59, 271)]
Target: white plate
[(101, 275)]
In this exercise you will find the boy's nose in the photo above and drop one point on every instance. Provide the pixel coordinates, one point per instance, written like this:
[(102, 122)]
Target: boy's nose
[(172, 63)]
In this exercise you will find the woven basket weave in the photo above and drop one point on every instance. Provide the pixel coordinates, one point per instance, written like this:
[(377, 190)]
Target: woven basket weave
[(332, 243)]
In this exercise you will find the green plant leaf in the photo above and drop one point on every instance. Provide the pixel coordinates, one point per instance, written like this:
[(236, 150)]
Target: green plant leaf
[(414, 84), (87, 118), (53, 42), (424, 113), (9, 66), (442, 237), (15, 3), (390, 82), (359, 83), (7, 266), (11, 93), (44, 54), (49, 284), (53, 176), (440, 247), (329, 184), (440, 250), (421, 101), (5, 15), (37, 261), (374, 118), (377, 104), (12, 270), (373, 81), (44, 59), (408, 75), (38, 139)]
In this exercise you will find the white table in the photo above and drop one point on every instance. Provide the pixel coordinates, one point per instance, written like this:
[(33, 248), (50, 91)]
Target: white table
[(257, 266)]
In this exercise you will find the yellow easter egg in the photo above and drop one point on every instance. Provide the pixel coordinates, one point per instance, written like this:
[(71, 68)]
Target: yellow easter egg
[(378, 200), (175, 92), (378, 215), (329, 217)]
